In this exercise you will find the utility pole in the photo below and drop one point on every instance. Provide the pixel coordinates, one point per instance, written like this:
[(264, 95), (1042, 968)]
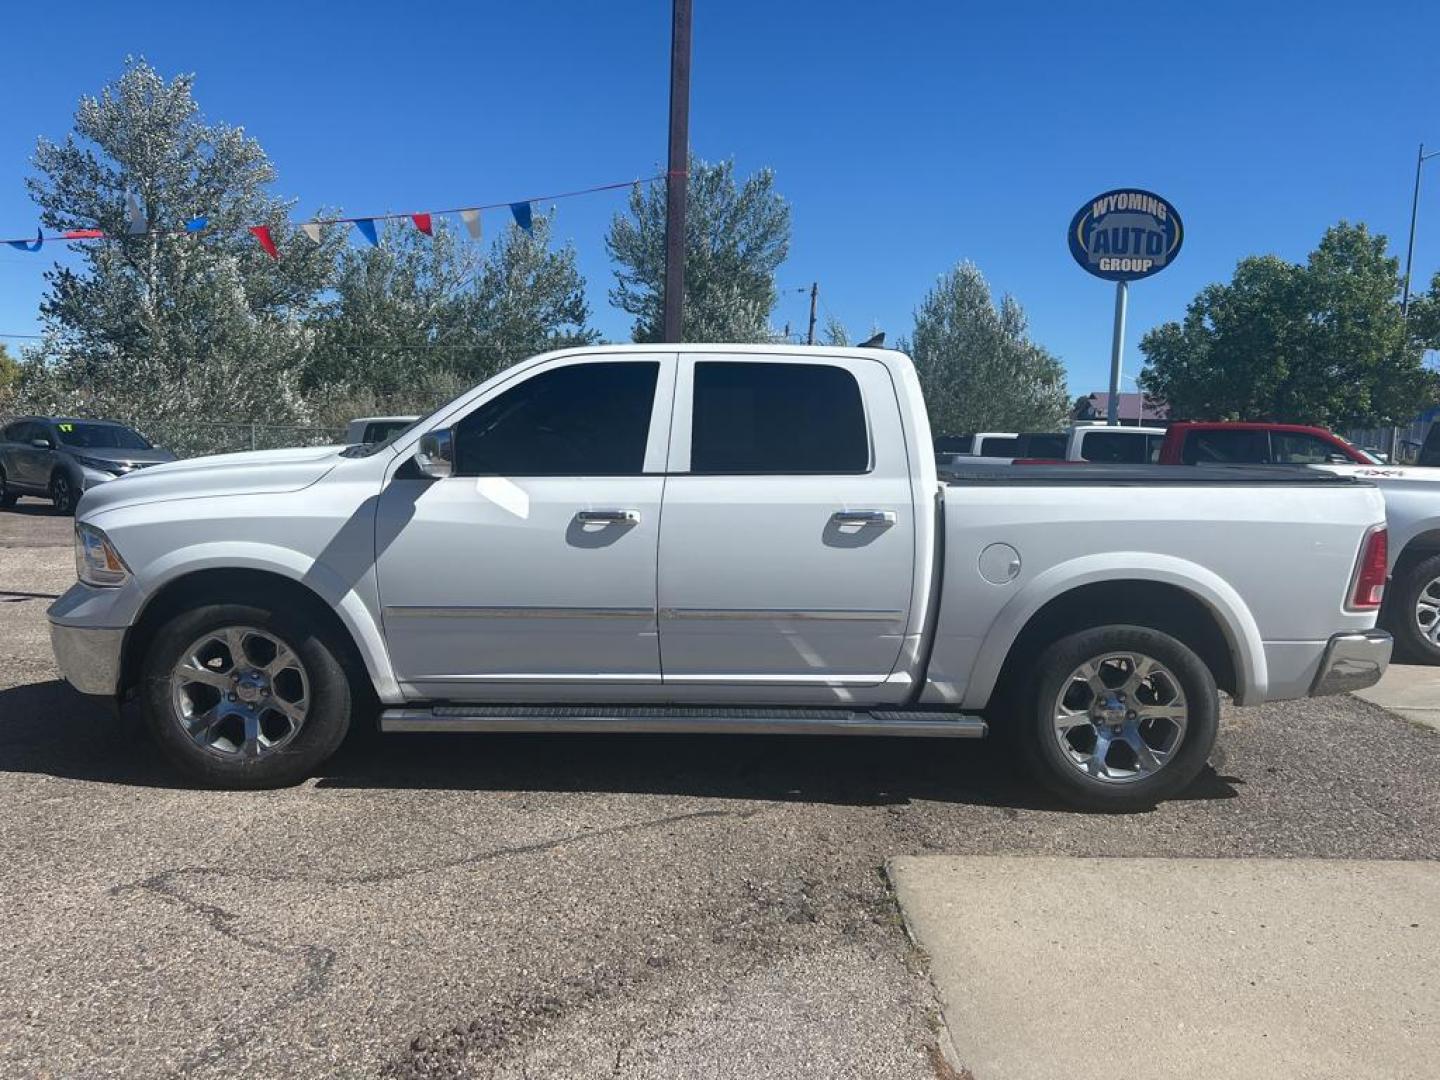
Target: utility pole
[(1420, 159), (678, 174), (814, 295)]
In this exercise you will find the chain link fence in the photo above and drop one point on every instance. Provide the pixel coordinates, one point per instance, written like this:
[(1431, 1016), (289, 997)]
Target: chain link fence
[(194, 438)]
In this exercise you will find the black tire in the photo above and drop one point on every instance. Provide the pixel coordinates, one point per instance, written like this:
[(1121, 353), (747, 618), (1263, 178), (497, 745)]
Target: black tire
[(1040, 749), (323, 729), (1411, 642), (8, 498), (62, 494)]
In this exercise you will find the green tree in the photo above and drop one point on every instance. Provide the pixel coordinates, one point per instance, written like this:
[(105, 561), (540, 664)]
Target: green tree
[(1318, 343), (736, 235), (164, 324), (419, 313), (9, 377), (977, 365)]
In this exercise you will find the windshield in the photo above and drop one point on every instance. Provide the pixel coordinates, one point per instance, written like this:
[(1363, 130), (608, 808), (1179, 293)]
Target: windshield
[(94, 436)]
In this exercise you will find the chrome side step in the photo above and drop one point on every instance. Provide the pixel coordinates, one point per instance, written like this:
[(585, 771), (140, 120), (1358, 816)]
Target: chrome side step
[(679, 719)]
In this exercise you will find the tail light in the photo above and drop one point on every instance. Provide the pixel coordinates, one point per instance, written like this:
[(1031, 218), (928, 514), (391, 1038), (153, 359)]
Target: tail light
[(1369, 581)]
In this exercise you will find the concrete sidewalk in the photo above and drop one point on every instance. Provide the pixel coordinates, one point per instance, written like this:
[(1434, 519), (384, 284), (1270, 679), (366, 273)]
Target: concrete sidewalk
[(1409, 690), (1164, 968)]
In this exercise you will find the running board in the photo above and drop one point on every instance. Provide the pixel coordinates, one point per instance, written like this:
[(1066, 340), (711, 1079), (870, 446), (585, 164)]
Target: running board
[(682, 719)]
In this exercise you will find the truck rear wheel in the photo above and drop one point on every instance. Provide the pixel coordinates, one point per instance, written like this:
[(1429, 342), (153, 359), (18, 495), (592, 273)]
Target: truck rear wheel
[(243, 696), (1413, 613), (1118, 718)]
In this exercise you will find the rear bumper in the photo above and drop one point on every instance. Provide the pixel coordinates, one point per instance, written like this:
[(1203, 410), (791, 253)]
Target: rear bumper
[(89, 657), (1352, 661)]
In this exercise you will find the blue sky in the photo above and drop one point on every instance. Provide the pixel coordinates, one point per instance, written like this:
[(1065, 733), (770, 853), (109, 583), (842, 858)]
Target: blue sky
[(906, 136)]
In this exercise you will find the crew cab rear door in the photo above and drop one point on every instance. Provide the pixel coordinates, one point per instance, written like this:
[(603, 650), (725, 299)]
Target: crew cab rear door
[(787, 551)]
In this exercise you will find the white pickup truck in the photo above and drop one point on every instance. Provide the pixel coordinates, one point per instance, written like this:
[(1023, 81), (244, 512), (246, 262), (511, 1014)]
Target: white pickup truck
[(714, 538)]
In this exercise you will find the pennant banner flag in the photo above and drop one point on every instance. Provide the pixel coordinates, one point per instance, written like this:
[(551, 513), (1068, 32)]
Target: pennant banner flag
[(24, 245), (137, 223), (262, 233)]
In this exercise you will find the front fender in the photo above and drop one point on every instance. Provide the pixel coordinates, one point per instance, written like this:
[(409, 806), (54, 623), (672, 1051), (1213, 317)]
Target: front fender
[(344, 597), (1242, 635)]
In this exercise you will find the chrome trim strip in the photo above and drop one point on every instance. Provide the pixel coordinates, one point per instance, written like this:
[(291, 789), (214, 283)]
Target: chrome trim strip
[(518, 612), (746, 722), (860, 614)]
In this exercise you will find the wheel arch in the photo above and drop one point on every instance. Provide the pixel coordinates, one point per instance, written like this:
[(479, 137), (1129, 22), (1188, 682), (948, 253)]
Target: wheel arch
[(365, 657), (1182, 599)]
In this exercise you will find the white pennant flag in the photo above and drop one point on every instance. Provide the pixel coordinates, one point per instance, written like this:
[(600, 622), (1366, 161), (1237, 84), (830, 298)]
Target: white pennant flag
[(137, 215), (472, 222), (312, 230)]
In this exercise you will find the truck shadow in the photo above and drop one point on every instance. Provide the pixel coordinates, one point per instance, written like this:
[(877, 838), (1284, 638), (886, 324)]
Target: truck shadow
[(47, 729)]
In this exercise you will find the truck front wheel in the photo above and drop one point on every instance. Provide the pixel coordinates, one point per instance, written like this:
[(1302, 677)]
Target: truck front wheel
[(1118, 718), (243, 696)]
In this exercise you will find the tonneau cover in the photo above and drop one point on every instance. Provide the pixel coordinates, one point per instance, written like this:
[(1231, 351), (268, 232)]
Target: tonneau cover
[(1086, 473)]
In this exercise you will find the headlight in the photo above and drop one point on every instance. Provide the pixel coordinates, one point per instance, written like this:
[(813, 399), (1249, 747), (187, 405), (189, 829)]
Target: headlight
[(98, 465), (96, 560)]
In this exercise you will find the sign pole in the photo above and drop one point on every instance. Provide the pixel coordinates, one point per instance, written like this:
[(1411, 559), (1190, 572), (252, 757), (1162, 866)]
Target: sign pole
[(1117, 347)]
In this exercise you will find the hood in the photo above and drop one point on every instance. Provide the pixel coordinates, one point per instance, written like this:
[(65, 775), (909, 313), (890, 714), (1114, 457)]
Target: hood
[(131, 459), (256, 472)]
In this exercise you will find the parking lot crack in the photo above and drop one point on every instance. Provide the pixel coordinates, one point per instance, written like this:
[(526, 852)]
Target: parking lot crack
[(317, 961)]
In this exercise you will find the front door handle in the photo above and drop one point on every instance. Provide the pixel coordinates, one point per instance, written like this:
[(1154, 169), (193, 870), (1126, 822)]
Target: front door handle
[(863, 517), (608, 517)]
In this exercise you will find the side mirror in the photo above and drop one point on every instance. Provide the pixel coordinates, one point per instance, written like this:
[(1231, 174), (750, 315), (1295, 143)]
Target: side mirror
[(436, 456), (41, 444)]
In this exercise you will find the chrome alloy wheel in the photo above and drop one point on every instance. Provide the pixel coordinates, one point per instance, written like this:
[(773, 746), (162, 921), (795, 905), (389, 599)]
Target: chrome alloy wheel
[(240, 691), (1120, 717), (1427, 611)]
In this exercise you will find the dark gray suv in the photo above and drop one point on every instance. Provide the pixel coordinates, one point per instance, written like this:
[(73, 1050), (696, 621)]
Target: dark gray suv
[(57, 458)]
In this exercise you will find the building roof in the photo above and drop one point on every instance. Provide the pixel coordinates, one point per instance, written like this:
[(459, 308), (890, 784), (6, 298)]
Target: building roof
[(1137, 407)]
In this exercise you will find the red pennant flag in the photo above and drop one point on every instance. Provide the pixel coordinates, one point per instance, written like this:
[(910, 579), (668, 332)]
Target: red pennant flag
[(262, 233), (422, 222), (82, 234)]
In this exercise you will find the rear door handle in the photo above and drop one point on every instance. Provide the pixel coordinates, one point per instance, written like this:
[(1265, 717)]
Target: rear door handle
[(608, 517), (863, 517)]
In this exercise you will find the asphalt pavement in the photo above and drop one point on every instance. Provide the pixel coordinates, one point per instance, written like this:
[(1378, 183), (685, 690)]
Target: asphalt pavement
[(508, 906)]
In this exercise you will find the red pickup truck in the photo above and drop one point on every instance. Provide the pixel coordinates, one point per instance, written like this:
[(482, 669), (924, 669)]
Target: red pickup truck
[(1197, 443)]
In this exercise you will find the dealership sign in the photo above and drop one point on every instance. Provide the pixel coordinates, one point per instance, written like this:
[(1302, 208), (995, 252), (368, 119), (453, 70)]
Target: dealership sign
[(1126, 234)]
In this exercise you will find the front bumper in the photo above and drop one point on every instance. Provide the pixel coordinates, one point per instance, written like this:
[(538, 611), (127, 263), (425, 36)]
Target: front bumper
[(89, 657), (1352, 661)]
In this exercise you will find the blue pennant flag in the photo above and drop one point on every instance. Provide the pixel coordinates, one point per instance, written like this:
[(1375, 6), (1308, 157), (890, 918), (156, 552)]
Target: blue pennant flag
[(195, 224), (367, 229), (23, 245), (521, 210)]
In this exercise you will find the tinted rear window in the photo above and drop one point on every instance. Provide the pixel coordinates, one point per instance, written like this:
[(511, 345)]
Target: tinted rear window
[(1116, 447), (1234, 447), (1000, 446), (1044, 444), (777, 418)]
